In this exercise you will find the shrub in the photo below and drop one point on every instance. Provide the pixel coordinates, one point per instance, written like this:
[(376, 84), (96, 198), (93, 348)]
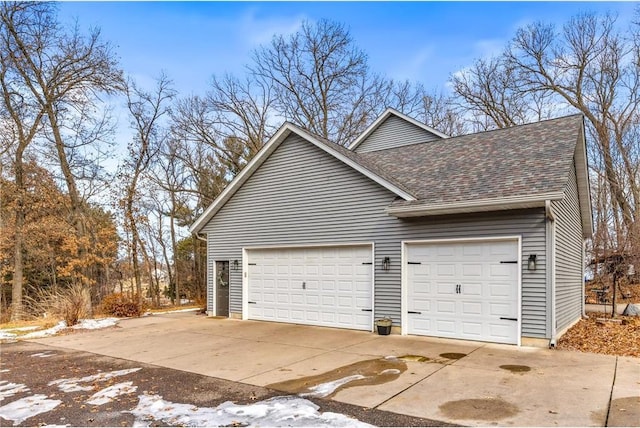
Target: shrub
[(121, 305), (70, 304)]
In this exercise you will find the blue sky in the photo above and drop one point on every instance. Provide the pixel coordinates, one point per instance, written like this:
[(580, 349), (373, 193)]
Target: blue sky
[(421, 41)]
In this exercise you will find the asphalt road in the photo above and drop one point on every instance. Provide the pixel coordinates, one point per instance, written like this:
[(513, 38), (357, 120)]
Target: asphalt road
[(35, 366)]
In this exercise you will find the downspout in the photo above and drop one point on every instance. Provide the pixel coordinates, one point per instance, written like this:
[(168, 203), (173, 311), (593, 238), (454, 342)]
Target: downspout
[(584, 252), (200, 237), (551, 248)]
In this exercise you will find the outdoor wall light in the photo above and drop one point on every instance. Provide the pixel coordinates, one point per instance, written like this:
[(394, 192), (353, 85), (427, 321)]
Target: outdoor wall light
[(386, 263), (532, 262), (235, 265)]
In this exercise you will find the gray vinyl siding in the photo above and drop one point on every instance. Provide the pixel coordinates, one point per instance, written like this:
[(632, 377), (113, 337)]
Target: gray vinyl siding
[(569, 260), (301, 195), (395, 132)]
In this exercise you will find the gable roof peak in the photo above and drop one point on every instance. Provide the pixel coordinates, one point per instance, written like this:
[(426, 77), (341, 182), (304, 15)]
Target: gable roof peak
[(389, 111)]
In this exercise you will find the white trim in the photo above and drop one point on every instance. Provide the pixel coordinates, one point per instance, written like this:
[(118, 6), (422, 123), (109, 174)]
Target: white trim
[(403, 275), (384, 116), (245, 269), (245, 284), (214, 295), (373, 287), (493, 204), (285, 130), (311, 245)]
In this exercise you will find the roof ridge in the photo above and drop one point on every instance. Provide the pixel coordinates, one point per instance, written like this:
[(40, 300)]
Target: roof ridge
[(490, 131)]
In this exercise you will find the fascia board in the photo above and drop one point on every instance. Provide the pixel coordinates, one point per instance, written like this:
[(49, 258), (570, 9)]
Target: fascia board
[(482, 205), (584, 191)]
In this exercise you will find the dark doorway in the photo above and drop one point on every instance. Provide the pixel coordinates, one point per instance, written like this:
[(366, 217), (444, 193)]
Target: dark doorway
[(222, 289)]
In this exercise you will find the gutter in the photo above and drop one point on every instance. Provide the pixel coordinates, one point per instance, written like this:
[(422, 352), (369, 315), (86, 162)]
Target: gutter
[(551, 247)]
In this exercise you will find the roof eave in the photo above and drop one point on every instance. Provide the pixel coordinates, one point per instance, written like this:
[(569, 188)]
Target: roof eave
[(582, 178), (485, 205)]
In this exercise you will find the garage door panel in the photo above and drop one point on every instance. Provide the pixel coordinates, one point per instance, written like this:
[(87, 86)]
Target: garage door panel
[(319, 286), (461, 290), (471, 288)]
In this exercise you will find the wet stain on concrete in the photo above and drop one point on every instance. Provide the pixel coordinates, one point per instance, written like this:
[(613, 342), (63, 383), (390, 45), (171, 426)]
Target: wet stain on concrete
[(453, 355), (624, 412), (417, 358), (368, 372), (483, 409), (514, 368)]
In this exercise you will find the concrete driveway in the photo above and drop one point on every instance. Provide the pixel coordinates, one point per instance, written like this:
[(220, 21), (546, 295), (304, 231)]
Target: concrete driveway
[(461, 382)]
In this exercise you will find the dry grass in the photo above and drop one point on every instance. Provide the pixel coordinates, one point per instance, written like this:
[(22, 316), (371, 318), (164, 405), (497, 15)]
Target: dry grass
[(609, 338), (41, 323)]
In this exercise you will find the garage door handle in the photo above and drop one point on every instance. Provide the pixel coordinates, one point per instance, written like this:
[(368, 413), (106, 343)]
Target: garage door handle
[(414, 312), (252, 303), (367, 310), (509, 319)]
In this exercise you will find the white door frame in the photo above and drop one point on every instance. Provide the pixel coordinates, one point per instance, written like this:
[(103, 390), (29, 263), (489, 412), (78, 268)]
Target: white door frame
[(404, 303), (245, 269)]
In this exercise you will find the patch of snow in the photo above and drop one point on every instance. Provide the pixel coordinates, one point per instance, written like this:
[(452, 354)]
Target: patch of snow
[(43, 354), (390, 371), (73, 384), (391, 357), (4, 334), (94, 324), (327, 388), (48, 332), (24, 408), (5, 371), (107, 395), (8, 389), (276, 411)]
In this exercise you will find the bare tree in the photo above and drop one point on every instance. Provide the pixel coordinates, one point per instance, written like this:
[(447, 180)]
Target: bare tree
[(147, 110)]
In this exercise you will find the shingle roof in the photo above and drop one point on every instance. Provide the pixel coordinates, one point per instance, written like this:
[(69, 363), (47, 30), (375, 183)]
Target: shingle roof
[(523, 160)]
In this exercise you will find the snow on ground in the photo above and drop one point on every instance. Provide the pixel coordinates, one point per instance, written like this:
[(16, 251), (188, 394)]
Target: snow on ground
[(327, 388), (96, 323), (5, 371), (4, 334), (107, 395), (44, 354), (390, 371), (73, 384), (24, 408), (48, 332), (8, 389), (277, 411)]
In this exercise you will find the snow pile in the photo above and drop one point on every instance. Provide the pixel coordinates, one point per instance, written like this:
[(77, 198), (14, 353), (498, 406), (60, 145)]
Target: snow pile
[(327, 388), (277, 411), (8, 389), (48, 332), (107, 395), (24, 408), (43, 354), (73, 384), (146, 314), (96, 323)]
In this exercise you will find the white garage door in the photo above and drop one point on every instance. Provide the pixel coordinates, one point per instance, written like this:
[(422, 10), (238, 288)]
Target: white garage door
[(465, 290), (324, 286)]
